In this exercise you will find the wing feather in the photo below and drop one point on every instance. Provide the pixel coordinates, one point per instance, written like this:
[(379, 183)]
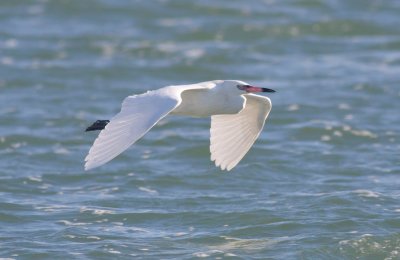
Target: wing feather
[(233, 135), (138, 115)]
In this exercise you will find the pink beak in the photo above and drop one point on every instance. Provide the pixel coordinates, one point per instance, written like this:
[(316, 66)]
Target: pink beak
[(252, 89)]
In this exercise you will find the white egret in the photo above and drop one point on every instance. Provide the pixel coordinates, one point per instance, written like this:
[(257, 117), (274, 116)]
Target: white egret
[(237, 118)]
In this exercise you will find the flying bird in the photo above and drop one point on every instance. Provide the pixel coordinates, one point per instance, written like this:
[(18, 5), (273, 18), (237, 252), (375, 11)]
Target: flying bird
[(237, 118)]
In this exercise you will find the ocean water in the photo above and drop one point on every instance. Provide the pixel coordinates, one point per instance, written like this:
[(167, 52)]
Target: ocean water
[(321, 182)]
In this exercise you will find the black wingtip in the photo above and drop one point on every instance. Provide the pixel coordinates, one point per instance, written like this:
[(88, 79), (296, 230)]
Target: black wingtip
[(98, 125)]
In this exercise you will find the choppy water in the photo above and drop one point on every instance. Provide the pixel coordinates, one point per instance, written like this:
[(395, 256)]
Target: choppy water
[(322, 181)]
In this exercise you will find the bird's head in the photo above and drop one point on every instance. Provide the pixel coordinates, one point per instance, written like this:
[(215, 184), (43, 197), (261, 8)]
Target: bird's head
[(244, 87)]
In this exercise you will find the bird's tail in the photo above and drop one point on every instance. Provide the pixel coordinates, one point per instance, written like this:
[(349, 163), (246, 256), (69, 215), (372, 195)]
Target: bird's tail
[(98, 125)]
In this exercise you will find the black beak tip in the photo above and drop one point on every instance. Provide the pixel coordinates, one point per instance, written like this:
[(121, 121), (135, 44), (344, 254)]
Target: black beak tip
[(268, 90)]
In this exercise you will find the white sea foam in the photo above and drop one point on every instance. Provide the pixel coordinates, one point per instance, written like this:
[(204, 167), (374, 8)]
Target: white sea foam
[(337, 133), (113, 251), (52, 208), (194, 53), (18, 145), (293, 107), (35, 178), (367, 244), (348, 117), (233, 243), (7, 60), (325, 138), (148, 190), (93, 237), (201, 254), (70, 223), (363, 133), (367, 193), (61, 150), (173, 22), (95, 211), (11, 43), (179, 234), (344, 106)]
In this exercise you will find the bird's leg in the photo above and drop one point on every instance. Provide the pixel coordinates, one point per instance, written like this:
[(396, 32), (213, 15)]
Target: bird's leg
[(98, 125)]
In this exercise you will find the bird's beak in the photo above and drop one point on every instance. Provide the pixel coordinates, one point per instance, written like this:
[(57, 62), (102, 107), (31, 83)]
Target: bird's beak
[(252, 89)]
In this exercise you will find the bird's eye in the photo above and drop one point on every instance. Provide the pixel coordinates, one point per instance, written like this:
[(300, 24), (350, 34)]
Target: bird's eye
[(241, 87)]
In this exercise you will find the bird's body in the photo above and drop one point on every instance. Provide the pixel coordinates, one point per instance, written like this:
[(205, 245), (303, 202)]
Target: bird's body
[(207, 101), (237, 118)]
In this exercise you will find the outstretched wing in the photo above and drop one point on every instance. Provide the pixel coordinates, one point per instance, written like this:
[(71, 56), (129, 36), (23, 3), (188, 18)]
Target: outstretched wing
[(233, 135), (139, 113)]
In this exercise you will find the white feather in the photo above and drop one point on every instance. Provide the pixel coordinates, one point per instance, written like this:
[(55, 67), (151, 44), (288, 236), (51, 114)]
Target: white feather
[(233, 135), (138, 115)]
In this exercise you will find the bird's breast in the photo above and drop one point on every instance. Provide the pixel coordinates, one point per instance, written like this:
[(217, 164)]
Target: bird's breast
[(206, 102)]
